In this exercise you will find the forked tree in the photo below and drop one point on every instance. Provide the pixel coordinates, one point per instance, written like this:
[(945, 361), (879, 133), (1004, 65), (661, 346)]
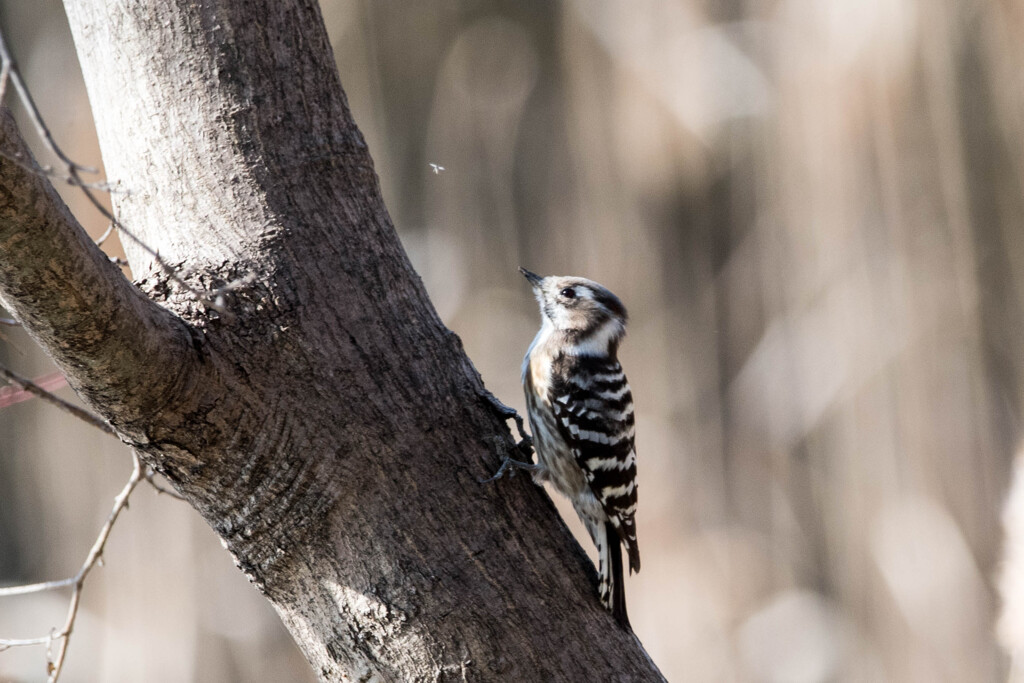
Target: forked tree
[(278, 360)]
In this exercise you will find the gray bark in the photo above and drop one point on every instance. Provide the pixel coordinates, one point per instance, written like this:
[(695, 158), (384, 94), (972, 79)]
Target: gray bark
[(331, 430)]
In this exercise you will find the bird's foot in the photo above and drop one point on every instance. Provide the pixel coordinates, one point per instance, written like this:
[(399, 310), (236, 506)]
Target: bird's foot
[(524, 446), (509, 466), (509, 414)]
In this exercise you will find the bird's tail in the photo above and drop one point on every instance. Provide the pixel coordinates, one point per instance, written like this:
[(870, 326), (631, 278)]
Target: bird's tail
[(612, 587)]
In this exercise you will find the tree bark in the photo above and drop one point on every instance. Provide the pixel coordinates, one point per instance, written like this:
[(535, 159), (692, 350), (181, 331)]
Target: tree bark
[(331, 430)]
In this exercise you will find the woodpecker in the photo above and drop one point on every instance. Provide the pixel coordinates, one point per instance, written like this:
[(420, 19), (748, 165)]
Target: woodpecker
[(581, 415)]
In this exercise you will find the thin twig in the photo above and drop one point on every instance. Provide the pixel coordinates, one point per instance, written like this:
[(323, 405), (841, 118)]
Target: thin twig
[(29, 588), (5, 73), (105, 235), (9, 395), (8, 643), (150, 474), (32, 387), (94, 557), (50, 172), (77, 582), (26, 97)]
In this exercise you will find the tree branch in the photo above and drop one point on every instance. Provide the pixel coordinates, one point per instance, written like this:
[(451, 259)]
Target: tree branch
[(94, 556), (33, 388), (68, 296), (333, 433)]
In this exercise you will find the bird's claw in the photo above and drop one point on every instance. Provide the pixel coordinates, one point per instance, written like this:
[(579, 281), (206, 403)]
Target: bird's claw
[(508, 463), (508, 413)]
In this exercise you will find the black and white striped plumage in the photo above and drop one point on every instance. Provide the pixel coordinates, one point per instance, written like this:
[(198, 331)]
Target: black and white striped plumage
[(581, 414)]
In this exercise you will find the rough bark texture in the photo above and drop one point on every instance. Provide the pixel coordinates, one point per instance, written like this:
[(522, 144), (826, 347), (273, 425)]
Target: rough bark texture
[(332, 430)]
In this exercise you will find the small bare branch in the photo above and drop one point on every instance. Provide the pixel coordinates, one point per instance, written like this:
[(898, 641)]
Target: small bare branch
[(10, 69), (51, 172), (159, 488), (5, 74), (100, 185), (95, 557), (105, 235), (8, 643), (29, 588), (31, 387)]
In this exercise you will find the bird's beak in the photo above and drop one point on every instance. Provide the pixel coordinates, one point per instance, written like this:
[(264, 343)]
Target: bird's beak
[(534, 279)]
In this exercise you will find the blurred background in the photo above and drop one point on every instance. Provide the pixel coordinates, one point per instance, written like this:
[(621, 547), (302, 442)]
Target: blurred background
[(813, 210)]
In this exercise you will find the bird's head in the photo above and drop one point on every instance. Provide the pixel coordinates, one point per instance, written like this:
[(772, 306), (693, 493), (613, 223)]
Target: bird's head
[(590, 316)]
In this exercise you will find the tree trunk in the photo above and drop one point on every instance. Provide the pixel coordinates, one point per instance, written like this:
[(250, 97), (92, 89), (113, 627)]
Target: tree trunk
[(330, 429)]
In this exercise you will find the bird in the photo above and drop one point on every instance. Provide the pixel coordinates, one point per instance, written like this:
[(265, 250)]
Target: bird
[(580, 409)]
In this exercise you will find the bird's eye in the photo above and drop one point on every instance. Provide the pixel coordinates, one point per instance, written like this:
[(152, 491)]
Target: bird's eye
[(568, 293)]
